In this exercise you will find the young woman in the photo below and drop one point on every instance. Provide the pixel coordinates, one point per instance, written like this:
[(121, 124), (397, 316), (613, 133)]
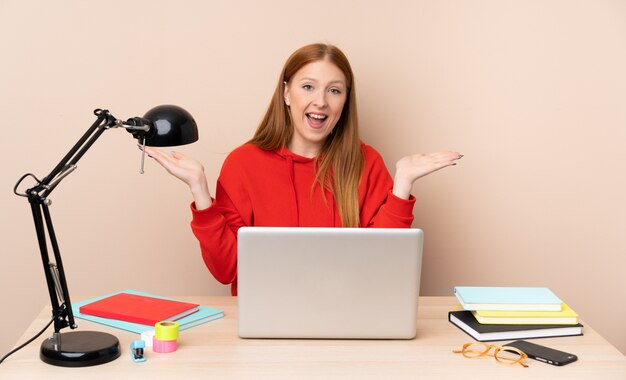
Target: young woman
[(304, 167)]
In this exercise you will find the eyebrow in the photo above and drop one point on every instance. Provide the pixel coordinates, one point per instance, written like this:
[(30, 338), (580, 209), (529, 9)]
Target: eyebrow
[(315, 80)]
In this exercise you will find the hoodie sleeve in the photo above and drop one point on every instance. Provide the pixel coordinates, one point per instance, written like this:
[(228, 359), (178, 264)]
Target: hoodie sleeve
[(379, 207), (216, 227)]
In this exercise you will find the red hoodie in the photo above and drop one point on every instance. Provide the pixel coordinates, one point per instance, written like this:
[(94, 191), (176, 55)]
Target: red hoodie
[(257, 187)]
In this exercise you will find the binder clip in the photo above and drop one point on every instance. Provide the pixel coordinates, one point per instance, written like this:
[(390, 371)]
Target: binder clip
[(136, 350)]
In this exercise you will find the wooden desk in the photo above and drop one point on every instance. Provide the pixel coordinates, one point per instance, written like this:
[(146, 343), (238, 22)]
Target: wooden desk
[(213, 351)]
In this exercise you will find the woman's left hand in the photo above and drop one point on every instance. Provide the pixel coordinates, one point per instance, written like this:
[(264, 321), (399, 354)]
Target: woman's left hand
[(410, 168)]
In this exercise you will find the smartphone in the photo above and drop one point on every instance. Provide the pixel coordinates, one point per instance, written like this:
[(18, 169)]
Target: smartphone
[(543, 353)]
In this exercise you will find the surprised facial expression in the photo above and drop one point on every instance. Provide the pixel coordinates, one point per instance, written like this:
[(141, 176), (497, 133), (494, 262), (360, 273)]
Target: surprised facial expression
[(315, 95)]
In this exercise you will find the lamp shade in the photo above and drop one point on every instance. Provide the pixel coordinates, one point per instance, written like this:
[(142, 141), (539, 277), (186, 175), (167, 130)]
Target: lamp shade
[(171, 125)]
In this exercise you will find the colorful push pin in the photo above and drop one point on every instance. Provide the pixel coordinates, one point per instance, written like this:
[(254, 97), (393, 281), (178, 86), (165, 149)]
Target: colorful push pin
[(136, 350)]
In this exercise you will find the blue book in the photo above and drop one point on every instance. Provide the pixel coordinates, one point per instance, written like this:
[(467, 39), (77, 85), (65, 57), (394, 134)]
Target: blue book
[(507, 298), (203, 315)]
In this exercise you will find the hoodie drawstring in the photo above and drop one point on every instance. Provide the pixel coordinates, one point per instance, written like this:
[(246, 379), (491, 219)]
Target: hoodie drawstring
[(290, 172), (332, 209)]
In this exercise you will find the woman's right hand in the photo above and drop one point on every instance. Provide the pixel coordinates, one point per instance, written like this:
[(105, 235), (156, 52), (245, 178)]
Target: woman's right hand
[(188, 170)]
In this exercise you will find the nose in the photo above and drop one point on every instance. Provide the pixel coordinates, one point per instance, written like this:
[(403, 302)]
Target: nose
[(320, 99)]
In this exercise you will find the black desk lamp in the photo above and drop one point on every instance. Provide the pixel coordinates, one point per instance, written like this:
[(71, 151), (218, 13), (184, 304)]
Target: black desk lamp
[(165, 125)]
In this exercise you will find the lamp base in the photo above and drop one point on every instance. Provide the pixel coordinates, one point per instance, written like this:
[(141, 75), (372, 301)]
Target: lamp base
[(80, 349)]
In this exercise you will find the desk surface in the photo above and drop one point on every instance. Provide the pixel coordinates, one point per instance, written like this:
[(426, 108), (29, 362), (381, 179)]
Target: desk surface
[(213, 351)]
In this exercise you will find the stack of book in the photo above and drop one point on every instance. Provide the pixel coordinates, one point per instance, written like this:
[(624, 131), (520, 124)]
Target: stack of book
[(138, 312), (503, 313)]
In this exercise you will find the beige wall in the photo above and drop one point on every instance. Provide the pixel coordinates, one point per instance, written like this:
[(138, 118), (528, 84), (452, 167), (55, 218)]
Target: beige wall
[(532, 92)]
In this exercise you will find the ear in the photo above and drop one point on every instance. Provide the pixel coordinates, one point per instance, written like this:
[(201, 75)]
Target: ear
[(286, 94)]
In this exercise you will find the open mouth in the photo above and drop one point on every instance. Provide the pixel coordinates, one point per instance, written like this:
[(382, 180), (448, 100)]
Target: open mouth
[(316, 120)]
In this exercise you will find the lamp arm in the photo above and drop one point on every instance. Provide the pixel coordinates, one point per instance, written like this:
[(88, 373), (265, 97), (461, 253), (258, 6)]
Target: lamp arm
[(55, 275), (38, 199), (102, 116)]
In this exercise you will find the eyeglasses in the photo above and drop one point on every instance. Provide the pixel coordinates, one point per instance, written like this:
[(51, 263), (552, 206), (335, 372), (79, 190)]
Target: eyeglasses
[(503, 354)]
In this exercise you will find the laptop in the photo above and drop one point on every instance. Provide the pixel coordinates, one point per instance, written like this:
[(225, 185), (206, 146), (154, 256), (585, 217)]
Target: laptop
[(328, 283)]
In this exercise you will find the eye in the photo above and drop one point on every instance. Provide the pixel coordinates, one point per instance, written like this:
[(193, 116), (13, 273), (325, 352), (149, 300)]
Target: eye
[(335, 91), (307, 87)]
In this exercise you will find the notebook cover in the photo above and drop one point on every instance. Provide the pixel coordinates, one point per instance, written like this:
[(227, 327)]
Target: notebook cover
[(203, 315), (138, 308), (485, 333), (507, 298)]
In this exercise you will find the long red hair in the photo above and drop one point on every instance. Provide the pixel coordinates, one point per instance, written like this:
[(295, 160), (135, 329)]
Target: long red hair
[(339, 166)]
